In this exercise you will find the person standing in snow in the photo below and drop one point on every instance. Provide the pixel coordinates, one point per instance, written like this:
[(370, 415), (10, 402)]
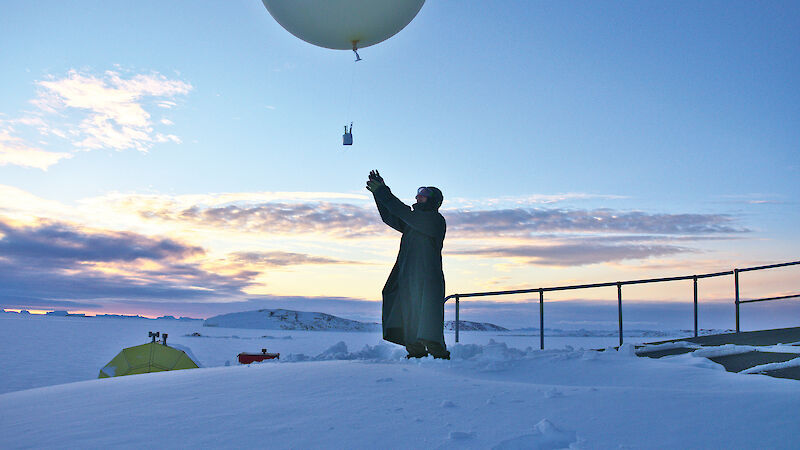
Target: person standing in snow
[(413, 297)]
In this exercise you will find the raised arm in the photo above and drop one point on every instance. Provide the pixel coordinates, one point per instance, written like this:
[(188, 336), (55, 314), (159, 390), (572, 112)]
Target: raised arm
[(376, 181), (429, 223), (387, 217)]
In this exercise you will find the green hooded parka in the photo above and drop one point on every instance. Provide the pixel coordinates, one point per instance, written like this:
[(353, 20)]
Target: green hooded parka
[(413, 297)]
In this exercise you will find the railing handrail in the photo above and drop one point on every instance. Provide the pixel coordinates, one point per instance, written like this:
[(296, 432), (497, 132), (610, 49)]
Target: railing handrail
[(619, 284), (615, 283), (782, 297)]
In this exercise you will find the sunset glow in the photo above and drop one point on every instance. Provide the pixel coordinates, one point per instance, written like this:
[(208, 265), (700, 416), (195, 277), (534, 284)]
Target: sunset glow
[(205, 174)]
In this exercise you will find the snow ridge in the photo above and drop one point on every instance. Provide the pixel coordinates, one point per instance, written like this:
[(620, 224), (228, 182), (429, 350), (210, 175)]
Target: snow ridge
[(285, 319)]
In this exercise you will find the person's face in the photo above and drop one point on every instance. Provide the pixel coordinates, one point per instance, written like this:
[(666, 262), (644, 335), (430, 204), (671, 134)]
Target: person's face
[(422, 194)]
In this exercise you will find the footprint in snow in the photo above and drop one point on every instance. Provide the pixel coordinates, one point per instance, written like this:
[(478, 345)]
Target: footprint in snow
[(448, 404), (545, 436), (384, 380), (456, 440), (462, 435), (553, 393)]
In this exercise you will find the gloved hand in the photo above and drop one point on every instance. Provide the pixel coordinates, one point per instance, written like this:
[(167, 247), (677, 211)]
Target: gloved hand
[(375, 175), (375, 181)]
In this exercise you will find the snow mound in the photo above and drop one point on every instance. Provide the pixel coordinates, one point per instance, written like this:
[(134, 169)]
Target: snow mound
[(666, 346), (492, 357), (545, 436), (461, 435), (188, 352), (339, 352), (285, 319), (493, 352), (773, 366)]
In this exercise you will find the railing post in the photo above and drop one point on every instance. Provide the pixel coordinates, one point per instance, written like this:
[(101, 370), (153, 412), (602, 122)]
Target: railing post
[(541, 319), (457, 318), (619, 309), (736, 285), (695, 305)]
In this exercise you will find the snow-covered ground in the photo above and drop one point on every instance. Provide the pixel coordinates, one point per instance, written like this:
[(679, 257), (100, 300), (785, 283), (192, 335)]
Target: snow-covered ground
[(351, 390), (41, 351)]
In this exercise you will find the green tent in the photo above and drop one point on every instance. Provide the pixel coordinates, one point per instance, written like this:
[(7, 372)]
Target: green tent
[(145, 358)]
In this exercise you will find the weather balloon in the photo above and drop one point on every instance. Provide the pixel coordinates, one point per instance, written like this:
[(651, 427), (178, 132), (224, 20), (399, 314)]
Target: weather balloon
[(343, 24)]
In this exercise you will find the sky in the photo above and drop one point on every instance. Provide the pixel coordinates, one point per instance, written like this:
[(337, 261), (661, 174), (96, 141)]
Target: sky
[(185, 159)]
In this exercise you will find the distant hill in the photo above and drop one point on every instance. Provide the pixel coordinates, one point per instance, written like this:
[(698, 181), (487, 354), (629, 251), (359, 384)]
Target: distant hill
[(465, 325), (63, 313), (285, 319)]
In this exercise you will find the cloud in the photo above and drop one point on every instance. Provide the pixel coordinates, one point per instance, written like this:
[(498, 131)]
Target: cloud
[(280, 259), (53, 241), (89, 112), (161, 138), (27, 302), (525, 222), (352, 221), (170, 204), (80, 259), (59, 261), (573, 237), (57, 265), (115, 107), (82, 283), (667, 265), (574, 254), (14, 151), (342, 219), (527, 200)]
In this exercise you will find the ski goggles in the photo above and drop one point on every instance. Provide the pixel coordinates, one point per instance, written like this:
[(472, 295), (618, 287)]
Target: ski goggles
[(425, 192)]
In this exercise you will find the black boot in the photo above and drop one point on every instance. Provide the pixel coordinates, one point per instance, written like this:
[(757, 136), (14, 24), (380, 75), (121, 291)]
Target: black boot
[(437, 350), (416, 350)]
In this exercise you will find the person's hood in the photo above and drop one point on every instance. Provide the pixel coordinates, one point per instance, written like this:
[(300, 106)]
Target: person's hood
[(433, 203)]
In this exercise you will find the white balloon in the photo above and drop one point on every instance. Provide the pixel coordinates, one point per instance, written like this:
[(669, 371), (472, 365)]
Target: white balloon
[(337, 24)]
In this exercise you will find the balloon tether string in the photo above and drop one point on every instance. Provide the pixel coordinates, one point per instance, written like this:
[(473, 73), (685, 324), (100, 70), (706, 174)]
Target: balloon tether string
[(352, 84)]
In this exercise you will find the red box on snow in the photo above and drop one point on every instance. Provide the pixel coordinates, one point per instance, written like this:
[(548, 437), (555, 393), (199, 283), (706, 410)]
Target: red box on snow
[(247, 358)]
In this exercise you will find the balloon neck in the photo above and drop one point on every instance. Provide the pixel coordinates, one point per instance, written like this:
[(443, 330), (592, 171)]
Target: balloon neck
[(355, 50)]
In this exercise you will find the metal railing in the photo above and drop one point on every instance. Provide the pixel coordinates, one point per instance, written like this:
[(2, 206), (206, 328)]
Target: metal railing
[(619, 284)]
